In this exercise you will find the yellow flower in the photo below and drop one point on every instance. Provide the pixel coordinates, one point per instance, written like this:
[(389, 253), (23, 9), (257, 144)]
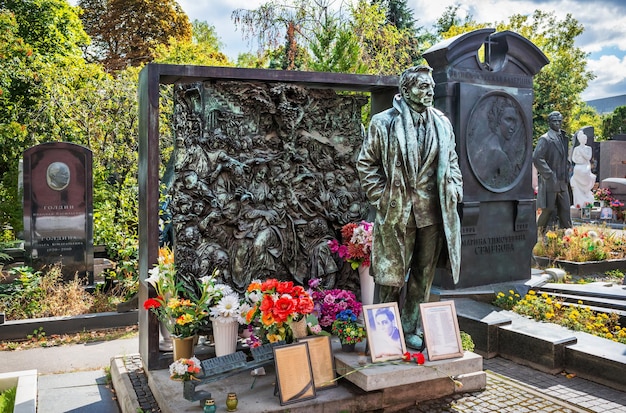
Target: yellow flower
[(551, 235), (549, 315), (273, 338), (184, 319), (511, 292)]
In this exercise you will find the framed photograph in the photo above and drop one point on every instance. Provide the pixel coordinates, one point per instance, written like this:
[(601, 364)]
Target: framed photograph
[(322, 361), (441, 330), (294, 377), (385, 338), (585, 213), (606, 213)]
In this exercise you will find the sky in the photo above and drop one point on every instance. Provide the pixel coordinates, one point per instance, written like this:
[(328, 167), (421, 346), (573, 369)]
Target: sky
[(604, 37)]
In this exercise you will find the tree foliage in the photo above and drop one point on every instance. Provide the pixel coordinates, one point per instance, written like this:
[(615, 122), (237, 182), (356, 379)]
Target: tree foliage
[(385, 49), (50, 27), (614, 123), (125, 32), (559, 84)]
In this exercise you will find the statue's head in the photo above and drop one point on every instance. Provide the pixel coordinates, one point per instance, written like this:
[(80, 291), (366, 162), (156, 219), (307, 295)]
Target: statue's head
[(555, 119), (417, 87)]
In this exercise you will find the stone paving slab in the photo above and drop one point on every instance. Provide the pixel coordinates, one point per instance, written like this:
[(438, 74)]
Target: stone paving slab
[(85, 391)]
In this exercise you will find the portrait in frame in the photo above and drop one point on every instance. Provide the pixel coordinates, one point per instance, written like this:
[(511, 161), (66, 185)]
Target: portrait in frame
[(385, 338)]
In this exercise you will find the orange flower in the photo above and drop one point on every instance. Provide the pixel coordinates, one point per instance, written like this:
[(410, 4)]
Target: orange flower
[(267, 319), (305, 305), (254, 286)]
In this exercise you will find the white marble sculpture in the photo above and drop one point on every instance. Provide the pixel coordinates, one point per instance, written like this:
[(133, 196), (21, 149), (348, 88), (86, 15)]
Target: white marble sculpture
[(582, 179)]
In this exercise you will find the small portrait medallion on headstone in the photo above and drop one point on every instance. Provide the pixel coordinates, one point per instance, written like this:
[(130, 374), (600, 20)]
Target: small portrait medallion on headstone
[(58, 176)]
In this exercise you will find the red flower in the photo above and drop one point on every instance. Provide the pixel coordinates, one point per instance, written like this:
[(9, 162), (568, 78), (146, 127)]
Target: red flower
[(151, 303), (283, 307), (305, 305), (269, 284), (419, 358), (267, 304), (284, 287)]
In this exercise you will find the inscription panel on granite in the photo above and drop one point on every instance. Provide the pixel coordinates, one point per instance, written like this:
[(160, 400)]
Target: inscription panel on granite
[(58, 210)]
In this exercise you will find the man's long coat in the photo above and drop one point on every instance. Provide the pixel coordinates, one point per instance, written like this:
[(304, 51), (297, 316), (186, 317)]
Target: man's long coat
[(385, 170)]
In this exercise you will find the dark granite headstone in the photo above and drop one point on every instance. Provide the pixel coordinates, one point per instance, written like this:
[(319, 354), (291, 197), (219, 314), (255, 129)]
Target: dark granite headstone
[(489, 101), (58, 210), (612, 160)]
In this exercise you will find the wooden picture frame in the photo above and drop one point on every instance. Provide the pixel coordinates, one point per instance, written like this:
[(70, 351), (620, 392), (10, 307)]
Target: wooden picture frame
[(322, 361), (385, 337), (441, 330), (294, 377)]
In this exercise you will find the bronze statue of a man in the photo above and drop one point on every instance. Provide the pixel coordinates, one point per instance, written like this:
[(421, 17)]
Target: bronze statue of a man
[(550, 159), (409, 170)]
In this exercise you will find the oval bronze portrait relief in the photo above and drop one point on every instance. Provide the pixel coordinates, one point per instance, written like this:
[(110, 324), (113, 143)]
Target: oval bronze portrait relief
[(58, 176), (496, 141)]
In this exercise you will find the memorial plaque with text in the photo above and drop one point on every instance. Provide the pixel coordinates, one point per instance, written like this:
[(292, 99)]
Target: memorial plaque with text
[(58, 210)]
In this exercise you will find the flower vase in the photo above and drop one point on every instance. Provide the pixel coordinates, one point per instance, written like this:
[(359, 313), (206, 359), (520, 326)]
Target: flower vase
[(367, 285), (183, 347), (225, 335), (165, 344), (299, 328), (348, 347)]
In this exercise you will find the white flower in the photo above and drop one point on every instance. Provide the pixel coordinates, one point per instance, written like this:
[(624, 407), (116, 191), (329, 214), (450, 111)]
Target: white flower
[(569, 232), (155, 276), (254, 296), (243, 310), (224, 289), (206, 279), (179, 367), (228, 306), (593, 235)]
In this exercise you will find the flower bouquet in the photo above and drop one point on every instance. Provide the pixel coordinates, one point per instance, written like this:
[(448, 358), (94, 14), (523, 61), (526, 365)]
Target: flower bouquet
[(182, 317), (185, 369), (357, 244), (347, 329), (273, 305), (329, 303)]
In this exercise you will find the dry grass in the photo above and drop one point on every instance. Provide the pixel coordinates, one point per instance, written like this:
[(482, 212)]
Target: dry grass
[(45, 294), (40, 339)]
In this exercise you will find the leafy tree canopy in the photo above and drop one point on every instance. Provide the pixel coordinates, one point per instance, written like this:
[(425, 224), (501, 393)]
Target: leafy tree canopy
[(559, 84), (614, 123), (125, 32), (50, 27)]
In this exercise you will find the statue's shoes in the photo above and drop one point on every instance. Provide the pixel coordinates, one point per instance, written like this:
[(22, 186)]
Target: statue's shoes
[(414, 341)]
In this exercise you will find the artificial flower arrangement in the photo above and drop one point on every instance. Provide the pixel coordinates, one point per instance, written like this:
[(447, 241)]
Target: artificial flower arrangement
[(182, 316), (347, 329), (273, 305), (357, 244), (329, 303), (185, 369)]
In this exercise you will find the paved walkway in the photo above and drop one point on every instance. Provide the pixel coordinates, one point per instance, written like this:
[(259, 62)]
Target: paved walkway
[(73, 379)]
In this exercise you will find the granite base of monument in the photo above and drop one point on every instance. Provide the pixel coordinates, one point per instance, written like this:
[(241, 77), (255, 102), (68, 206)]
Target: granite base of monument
[(382, 387)]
